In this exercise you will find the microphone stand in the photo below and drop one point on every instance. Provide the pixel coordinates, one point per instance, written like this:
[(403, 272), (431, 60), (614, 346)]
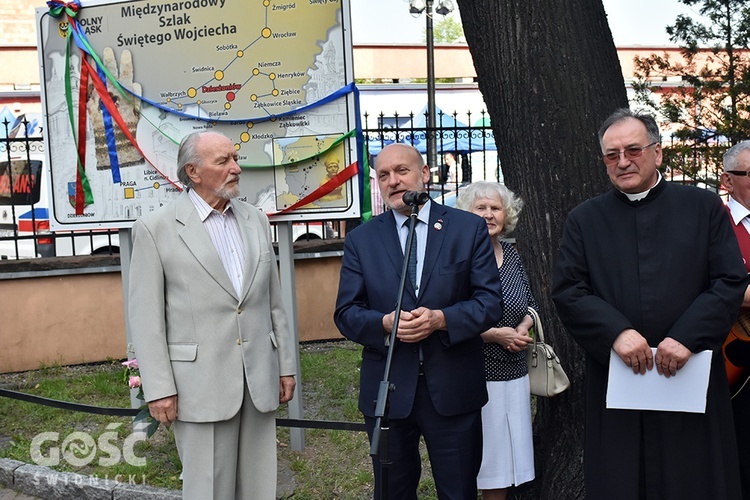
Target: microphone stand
[(379, 446)]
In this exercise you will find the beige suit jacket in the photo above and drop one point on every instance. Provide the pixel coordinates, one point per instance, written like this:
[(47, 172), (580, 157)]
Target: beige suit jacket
[(193, 336)]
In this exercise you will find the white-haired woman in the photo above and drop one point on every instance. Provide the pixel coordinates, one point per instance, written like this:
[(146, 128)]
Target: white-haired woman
[(508, 453)]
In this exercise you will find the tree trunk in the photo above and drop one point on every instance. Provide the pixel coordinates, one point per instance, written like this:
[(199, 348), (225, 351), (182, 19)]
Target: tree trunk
[(549, 74)]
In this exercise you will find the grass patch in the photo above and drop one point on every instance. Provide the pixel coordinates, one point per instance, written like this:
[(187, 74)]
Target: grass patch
[(334, 464), (81, 442)]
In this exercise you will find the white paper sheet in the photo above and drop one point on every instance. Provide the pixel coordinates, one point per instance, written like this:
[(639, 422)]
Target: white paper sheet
[(686, 391)]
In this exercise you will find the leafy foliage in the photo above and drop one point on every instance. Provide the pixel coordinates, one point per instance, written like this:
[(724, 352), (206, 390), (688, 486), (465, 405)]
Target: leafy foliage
[(446, 30), (711, 101)]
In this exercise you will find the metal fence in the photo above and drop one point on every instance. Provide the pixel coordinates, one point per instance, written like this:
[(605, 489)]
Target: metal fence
[(699, 165), (466, 152), (24, 207), (465, 144)]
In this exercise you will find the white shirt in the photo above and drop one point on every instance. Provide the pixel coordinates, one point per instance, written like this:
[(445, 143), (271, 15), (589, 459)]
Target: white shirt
[(224, 231), (739, 213)]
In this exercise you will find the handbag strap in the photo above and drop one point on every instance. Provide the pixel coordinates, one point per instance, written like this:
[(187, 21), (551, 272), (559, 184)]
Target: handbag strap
[(538, 329)]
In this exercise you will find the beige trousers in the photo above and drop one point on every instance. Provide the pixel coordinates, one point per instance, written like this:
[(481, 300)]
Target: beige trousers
[(233, 459)]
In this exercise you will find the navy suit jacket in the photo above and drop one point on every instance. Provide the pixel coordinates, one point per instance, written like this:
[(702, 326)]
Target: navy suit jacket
[(459, 277)]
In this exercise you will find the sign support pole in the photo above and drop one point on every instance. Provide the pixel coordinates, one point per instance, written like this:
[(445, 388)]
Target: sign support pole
[(289, 297)]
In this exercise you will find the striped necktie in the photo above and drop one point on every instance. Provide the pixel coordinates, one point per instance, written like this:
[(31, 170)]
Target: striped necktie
[(412, 267)]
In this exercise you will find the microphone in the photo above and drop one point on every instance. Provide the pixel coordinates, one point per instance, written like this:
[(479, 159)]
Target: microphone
[(415, 198)]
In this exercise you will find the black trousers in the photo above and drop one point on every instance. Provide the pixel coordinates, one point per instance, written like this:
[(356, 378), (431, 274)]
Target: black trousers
[(454, 445), (741, 410)]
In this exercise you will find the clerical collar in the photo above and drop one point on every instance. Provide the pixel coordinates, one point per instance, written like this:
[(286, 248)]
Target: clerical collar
[(640, 196)]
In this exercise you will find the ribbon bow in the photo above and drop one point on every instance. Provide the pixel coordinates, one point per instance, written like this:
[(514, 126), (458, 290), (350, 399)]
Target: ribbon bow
[(56, 8)]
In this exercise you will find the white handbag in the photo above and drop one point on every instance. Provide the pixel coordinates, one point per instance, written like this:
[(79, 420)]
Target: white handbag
[(546, 374)]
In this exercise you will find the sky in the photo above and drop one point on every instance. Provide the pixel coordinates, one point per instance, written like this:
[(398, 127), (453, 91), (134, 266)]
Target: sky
[(633, 22)]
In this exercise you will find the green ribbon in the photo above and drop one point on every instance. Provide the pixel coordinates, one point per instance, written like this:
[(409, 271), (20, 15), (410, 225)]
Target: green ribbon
[(88, 196), (57, 8), (335, 143), (366, 193)]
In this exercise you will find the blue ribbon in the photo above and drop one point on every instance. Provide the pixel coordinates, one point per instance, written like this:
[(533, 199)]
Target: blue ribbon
[(343, 91), (79, 36), (109, 131)]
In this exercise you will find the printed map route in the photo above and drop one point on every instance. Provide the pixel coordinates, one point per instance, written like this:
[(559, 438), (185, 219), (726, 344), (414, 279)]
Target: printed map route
[(228, 65)]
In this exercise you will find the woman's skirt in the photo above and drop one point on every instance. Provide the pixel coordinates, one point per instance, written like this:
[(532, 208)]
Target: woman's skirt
[(508, 450)]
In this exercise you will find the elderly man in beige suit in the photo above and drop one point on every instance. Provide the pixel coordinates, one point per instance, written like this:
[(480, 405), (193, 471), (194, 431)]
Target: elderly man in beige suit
[(210, 332)]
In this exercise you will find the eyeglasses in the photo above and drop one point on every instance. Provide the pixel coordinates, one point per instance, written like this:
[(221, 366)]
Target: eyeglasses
[(740, 173), (630, 153)]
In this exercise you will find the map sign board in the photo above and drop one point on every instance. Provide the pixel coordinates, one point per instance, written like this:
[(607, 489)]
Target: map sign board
[(124, 82)]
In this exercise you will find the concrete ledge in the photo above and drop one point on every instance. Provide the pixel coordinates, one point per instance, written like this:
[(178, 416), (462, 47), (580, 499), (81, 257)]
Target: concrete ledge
[(44, 482), (125, 491), (48, 265), (39, 298), (7, 469)]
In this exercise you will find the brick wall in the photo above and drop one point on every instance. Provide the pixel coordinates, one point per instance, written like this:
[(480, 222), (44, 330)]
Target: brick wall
[(18, 56), (17, 22)]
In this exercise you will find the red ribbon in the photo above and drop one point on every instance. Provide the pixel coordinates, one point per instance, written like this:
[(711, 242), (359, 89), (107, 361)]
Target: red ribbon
[(323, 190), (82, 100), (106, 99)]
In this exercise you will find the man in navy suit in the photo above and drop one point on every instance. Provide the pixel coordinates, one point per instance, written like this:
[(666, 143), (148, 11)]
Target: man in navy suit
[(437, 366)]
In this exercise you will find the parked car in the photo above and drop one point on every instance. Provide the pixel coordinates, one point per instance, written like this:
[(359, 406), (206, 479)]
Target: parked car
[(314, 230)]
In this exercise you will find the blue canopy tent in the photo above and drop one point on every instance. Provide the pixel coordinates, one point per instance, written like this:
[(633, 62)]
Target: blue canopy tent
[(19, 126), (7, 119), (451, 135)]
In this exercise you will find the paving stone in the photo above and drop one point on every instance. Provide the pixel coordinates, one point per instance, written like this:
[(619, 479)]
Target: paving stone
[(14, 495)]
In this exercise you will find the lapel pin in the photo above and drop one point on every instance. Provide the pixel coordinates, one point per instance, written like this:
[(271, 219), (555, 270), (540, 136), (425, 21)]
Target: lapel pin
[(438, 226)]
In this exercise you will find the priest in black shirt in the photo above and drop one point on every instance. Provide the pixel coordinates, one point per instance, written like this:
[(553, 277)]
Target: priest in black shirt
[(651, 264)]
